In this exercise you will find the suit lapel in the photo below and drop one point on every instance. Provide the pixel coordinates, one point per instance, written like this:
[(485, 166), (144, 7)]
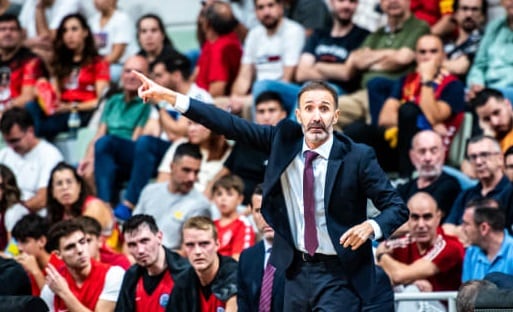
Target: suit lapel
[(335, 161), (283, 158)]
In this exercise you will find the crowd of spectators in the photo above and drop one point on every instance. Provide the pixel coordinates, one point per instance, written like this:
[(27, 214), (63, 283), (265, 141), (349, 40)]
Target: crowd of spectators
[(181, 204)]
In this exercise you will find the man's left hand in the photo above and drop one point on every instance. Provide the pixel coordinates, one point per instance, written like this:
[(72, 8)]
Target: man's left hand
[(357, 235), (55, 280)]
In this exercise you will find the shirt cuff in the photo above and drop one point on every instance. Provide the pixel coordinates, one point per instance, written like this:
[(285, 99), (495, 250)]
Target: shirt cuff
[(377, 230), (182, 103)]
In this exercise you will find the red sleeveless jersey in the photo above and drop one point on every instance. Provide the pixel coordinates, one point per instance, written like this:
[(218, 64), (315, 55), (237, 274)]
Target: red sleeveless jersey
[(213, 304), (158, 300)]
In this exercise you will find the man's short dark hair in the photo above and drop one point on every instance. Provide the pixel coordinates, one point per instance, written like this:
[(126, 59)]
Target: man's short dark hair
[(176, 62), (491, 215), (481, 137), (30, 226), (137, 221), (483, 96), (16, 116), (229, 181), (259, 190), (318, 85), (62, 229), (483, 202), (187, 149), (267, 96), (468, 292), (8, 17), (484, 6), (90, 225), (220, 17)]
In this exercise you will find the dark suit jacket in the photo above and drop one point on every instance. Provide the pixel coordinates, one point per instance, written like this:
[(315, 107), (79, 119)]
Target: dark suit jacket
[(249, 281), (353, 175)]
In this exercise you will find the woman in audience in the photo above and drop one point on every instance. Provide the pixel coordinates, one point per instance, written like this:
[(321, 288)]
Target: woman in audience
[(79, 76), (152, 38), (10, 209), (68, 197)]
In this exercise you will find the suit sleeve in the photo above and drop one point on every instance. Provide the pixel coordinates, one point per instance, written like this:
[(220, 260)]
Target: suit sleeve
[(243, 296)]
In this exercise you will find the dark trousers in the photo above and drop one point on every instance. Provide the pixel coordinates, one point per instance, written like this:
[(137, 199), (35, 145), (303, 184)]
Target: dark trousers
[(319, 286), (379, 90)]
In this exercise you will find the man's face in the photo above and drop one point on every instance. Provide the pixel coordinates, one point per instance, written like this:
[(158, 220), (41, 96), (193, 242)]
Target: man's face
[(496, 115), (508, 166), (144, 245), (227, 200), (269, 13), (424, 219), (470, 228), (18, 139), (184, 173), (94, 244), (343, 10), (163, 77), (129, 80), (395, 8), (469, 15), (486, 159), (32, 246), (10, 35), (430, 49), (269, 113), (317, 115), (200, 248), (74, 250), (427, 154), (256, 210)]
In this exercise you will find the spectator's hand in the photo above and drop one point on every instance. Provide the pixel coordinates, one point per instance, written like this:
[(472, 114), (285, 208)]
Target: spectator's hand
[(236, 104), (62, 107), (28, 262), (423, 285), (473, 90), (85, 167), (152, 91), (55, 281), (427, 70), (357, 235), (383, 248)]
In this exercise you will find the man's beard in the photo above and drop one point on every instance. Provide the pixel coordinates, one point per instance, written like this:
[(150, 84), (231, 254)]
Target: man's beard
[(271, 25), (469, 25), (343, 21)]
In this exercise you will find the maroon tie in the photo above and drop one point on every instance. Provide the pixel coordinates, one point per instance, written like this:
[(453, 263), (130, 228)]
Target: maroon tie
[(266, 292), (311, 242)]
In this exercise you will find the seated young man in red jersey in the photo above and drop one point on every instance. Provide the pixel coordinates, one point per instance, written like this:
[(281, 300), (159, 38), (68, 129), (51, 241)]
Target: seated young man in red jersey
[(210, 285), (98, 248), (148, 284), (30, 233), (83, 284)]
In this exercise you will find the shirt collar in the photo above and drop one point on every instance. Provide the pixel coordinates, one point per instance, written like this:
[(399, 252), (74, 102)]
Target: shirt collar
[(323, 150), (267, 245)]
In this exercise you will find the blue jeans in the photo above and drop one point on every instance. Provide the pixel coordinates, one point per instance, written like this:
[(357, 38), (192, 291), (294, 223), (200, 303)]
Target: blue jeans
[(149, 151), (113, 159)]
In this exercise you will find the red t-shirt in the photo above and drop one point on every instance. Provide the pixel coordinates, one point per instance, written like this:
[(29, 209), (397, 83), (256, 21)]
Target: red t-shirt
[(156, 301), (212, 304), (22, 70), (431, 11), (111, 257), (90, 290), (219, 61), (235, 236), (446, 253), (56, 262), (80, 85)]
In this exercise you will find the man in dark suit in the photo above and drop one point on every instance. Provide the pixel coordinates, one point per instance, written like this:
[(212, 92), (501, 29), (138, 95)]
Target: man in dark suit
[(252, 264), (322, 234)]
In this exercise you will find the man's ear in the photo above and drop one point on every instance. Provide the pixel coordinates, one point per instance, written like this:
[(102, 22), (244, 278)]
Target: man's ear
[(484, 228)]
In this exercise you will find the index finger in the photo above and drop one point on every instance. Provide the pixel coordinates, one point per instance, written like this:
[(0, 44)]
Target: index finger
[(139, 75)]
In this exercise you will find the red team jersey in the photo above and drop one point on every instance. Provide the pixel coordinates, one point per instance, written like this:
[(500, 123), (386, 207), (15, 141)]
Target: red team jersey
[(157, 301), (235, 236), (90, 290), (22, 70), (447, 254), (212, 304), (80, 85)]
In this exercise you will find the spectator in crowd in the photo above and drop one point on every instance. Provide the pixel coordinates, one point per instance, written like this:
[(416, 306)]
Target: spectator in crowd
[(31, 233), (491, 247), (438, 14), (254, 265), (31, 159), (495, 115), (219, 61), (9, 7), (271, 52), (111, 151), (19, 67), (79, 77), (469, 15), (425, 259), (245, 160), (69, 197), (430, 98), (83, 283), (387, 53), (114, 34), (427, 154), (153, 39), (485, 157), (10, 209), (311, 14), (235, 232), (148, 284), (491, 67), (508, 163), (174, 201), (98, 250), (467, 294), (211, 283), (165, 125), (14, 281)]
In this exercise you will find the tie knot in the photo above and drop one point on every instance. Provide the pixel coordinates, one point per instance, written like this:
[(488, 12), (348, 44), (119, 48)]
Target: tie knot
[(310, 156), (269, 250)]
